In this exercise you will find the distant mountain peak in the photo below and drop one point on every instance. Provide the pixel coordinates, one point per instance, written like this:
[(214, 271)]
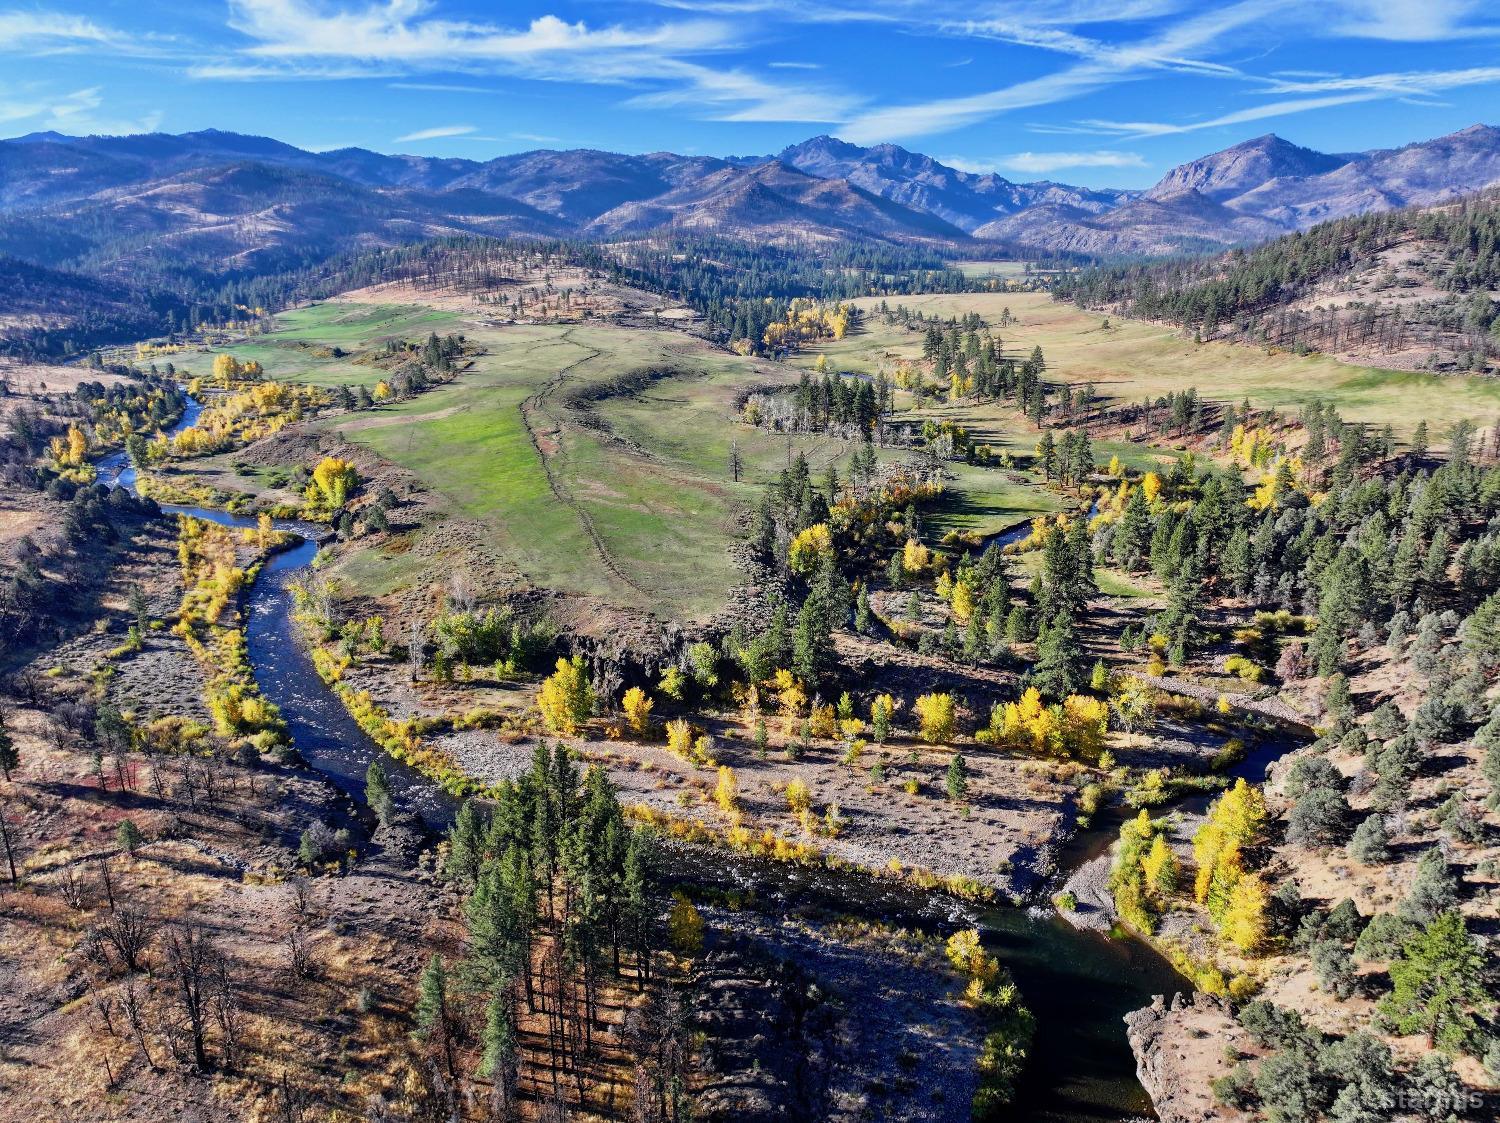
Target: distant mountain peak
[(48, 137), (1244, 166)]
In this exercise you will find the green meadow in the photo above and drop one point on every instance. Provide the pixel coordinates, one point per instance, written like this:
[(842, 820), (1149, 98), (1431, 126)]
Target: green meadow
[(328, 344)]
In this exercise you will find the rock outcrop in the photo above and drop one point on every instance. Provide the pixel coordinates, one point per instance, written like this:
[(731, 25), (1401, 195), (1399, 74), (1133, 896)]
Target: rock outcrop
[(1180, 1048)]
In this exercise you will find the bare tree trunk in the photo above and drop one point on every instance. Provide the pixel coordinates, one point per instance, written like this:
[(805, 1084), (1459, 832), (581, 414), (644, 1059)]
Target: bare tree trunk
[(10, 852), (131, 1002), (190, 958)]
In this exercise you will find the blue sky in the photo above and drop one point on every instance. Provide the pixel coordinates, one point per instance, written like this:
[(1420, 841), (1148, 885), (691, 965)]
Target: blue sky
[(1098, 92)]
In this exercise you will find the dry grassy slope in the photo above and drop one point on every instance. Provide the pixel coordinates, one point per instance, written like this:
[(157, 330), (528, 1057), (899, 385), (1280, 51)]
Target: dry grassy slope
[(1129, 360), (1406, 277)]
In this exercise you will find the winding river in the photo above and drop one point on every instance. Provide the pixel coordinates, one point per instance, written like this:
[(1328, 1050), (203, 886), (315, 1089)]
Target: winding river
[(1079, 984)]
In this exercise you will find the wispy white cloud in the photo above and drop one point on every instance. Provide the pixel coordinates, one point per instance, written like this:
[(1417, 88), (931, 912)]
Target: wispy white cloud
[(1044, 163), (31, 30), (1142, 129), (1407, 83), (400, 31), (74, 112), (1413, 87), (736, 95), (35, 32), (1411, 21), (1173, 46), (395, 38), (442, 88), (251, 71), (436, 132)]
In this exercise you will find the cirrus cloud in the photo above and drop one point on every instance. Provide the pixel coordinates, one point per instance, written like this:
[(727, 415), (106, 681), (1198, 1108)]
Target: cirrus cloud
[(437, 132), (1044, 163)]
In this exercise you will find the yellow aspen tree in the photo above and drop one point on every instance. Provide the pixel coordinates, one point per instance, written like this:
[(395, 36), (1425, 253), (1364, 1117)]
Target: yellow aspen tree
[(799, 798), (727, 793), (1160, 868), (226, 369), (1085, 724), (680, 738), (685, 926), (790, 696), (809, 548), (78, 445), (936, 716), (1244, 923), (1151, 486), (703, 751), (637, 705), (565, 698), (335, 479)]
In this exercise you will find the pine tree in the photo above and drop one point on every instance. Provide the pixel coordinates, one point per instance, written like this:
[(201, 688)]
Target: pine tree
[(1419, 440), (378, 791), (128, 836), (432, 1013), (1058, 656), (465, 843), (1047, 454), (957, 781), (499, 1057), (10, 756), (1370, 846), (863, 620), (1438, 984), (1434, 889), (140, 608)]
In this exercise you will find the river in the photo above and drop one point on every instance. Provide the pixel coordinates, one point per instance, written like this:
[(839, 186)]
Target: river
[(1078, 984)]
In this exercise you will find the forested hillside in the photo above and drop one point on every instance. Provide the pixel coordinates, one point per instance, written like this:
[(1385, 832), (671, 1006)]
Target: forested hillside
[(1410, 288), (738, 288)]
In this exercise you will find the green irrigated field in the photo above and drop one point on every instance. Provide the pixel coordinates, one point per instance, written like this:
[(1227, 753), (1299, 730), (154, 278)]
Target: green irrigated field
[(301, 347), (627, 495), (628, 498), (1130, 360), (999, 269)]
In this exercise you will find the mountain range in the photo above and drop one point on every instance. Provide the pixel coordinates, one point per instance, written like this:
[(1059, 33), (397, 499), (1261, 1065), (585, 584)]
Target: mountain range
[(214, 200)]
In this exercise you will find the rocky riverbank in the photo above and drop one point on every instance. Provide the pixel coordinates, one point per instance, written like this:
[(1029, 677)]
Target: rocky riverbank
[(1180, 1047)]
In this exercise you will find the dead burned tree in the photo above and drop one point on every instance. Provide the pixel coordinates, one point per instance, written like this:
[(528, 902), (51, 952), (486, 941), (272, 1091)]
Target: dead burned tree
[(74, 890), (414, 643), (9, 844), (128, 931), (192, 969), (656, 1034), (132, 1002), (291, 1102), (299, 954), (300, 885), (226, 1005)]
